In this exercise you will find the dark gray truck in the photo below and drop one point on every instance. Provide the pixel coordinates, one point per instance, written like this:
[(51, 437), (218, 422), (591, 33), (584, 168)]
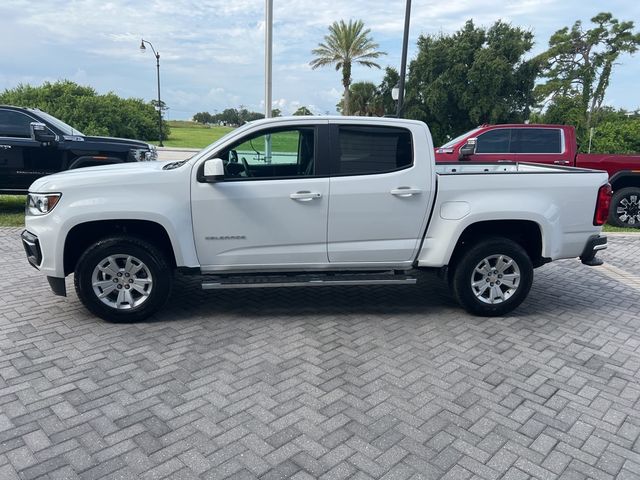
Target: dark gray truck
[(34, 144)]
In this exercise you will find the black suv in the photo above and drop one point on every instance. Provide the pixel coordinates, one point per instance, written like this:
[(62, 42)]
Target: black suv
[(34, 144)]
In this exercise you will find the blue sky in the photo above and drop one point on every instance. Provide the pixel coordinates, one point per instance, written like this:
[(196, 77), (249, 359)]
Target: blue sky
[(212, 51)]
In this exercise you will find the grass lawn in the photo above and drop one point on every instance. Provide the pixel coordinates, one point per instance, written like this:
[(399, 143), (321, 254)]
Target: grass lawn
[(12, 210), (193, 135), (611, 228)]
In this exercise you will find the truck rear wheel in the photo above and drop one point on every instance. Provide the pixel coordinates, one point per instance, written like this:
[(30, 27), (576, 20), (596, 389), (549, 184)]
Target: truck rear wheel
[(123, 279), (625, 208), (493, 277)]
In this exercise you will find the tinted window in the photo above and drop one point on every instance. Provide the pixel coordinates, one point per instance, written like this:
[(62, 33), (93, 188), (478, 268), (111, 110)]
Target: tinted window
[(537, 140), (14, 124), (494, 141), (272, 153), (373, 150)]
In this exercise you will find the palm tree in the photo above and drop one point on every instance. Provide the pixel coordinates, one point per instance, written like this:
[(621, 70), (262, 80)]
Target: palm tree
[(364, 100), (344, 45)]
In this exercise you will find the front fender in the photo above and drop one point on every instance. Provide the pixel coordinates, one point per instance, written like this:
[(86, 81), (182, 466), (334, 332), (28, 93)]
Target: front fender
[(78, 208)]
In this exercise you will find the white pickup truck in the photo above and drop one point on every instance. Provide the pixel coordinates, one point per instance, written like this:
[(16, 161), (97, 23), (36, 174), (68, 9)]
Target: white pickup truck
[(313, 201)]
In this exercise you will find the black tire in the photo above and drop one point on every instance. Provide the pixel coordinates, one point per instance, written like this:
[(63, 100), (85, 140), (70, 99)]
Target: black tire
[(625, 208), (479, 301), (112, 253)]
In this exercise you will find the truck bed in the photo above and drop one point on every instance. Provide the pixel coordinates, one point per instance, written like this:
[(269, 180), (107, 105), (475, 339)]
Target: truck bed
[(459, 168)]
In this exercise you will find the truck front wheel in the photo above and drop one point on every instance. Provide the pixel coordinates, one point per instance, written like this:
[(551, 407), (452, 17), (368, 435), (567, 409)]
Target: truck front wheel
[(123, 279), (625, 208), (493, 277)]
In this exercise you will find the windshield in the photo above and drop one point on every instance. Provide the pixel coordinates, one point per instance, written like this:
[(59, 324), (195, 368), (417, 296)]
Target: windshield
[(59, 124), (451, 143)]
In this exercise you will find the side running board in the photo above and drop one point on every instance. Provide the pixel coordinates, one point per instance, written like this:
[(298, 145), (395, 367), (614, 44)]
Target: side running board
[(276, 281)]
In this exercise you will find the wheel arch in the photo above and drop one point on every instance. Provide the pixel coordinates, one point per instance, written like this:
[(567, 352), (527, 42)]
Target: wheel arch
[(525, 233), (625, 179), (81, 236)]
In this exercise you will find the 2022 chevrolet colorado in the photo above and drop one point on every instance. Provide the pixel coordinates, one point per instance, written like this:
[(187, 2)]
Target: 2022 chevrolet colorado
[(308, 202), (34, 144)]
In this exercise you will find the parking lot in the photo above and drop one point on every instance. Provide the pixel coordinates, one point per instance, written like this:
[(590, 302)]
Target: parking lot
[(359, 382)]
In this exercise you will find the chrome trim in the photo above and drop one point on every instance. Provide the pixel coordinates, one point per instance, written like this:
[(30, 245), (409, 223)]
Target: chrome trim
[(309, 283), (310, 268)]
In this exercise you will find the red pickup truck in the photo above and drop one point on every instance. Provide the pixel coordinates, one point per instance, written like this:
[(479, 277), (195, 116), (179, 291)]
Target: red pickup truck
[(551, 144)]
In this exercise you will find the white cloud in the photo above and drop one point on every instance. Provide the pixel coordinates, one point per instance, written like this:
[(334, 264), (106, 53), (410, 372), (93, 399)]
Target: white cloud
[(212, 51)]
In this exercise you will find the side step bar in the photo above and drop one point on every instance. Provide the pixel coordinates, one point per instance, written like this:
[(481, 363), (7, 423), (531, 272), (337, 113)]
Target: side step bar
[(306, 281)]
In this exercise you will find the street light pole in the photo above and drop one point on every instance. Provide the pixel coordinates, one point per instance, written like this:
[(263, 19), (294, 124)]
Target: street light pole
[(268, 49), (403, 64), (157, 55), (268, 72)]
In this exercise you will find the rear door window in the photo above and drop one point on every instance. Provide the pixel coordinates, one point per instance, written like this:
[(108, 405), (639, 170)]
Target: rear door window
[(370, 150), (537, 140)]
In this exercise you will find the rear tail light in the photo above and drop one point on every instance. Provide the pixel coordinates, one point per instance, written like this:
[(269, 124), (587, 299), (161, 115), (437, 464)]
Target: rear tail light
[(602, 205)]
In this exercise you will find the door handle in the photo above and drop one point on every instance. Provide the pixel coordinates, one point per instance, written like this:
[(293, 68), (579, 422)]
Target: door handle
[(561, 162), (405, 191), (5, 147), (305, 196)]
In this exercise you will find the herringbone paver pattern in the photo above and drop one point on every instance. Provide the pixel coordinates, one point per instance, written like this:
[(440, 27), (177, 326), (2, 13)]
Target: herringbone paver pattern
[(328, 383)]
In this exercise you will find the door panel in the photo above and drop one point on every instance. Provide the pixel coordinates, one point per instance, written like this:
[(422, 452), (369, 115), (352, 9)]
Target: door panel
[(367, 223), (250, 219), (23, 160), (256, 222), (378, 217), (10, 164)]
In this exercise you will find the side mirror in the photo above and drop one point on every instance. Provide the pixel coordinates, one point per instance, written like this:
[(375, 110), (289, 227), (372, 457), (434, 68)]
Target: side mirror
[(468, 149), (213, 171), (41, 133)]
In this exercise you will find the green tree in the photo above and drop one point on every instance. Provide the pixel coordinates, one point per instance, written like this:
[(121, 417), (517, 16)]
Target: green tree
[(364, 100), (276, 112), (93, 114), (163, 106), (229, 116), (578, 66), (345, 45), (301, 111), (203, 117), (474, 76), (390, 80), (617, 136)]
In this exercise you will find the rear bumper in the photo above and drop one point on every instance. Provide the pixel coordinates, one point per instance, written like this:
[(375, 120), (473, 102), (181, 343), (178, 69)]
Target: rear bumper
[(593, 246)]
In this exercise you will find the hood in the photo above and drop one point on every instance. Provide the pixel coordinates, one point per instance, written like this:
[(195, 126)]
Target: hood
[(121, 174), (108, 140)]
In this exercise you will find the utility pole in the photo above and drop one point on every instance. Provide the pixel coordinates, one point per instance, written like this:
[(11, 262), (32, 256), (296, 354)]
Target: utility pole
[(268, 55), (403, 64), (268, 49)]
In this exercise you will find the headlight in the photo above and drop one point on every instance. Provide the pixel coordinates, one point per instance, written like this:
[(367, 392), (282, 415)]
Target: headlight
[(143, 155), (41, 203), (152, 154)]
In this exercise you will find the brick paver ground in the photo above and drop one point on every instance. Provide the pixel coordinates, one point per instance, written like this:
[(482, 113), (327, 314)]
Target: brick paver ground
[(385, 382)]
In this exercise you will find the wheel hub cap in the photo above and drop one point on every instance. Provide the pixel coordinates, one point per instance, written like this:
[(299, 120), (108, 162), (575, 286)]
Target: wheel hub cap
[(122, 281), (628, 210), (495, 279)]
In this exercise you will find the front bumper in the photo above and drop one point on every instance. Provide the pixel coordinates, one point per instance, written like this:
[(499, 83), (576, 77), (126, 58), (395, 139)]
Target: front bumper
[(593, 246), (32, 248)]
